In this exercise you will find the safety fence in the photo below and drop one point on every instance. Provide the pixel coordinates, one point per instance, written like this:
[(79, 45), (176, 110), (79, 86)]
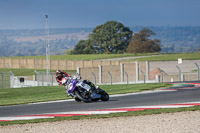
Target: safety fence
[(175, 77), (6, 80), (39, 79), (116, 74), (125, 73)]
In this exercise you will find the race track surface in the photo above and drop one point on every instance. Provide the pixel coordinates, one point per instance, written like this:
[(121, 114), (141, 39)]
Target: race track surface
[(159, 97)]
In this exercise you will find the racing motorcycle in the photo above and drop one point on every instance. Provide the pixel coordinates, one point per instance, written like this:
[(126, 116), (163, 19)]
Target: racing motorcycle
[(84, 90)]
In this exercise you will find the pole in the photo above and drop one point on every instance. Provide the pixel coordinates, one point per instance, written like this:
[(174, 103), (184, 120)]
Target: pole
[(143, 75), (94, 78), (122, 72), (12, 80), (37, 77), (179, 70), (126, 77), (110, 77), (198, 71), (100, 74), (47, 49)]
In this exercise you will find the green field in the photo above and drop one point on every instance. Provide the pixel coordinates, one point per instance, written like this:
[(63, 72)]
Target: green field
[(160, 57), (13, 96), (84, 56), (171, 57)]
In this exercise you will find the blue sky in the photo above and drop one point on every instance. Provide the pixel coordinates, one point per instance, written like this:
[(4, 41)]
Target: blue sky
[(30, 14)]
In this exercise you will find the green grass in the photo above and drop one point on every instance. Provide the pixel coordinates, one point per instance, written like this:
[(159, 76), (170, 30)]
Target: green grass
[(162, 57), (30, 72), (171, 57), (84, 56), (25, 95), (13, 96), (131, 88), (103, 116)]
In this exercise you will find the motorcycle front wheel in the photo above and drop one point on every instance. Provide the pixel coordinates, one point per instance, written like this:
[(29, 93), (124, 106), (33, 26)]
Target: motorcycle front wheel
[(104, 96), (83, 97)]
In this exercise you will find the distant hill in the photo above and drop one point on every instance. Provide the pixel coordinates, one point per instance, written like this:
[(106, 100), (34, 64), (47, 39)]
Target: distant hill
[(176, 39), (32, 42)]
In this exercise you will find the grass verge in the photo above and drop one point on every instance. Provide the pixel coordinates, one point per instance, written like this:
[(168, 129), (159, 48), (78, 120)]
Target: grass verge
[(126, 114), (170, 57), (14, 96), (160, 57), (84, 56)]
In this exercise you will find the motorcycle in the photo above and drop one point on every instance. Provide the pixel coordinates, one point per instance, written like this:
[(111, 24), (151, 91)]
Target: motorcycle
[(83, 90)]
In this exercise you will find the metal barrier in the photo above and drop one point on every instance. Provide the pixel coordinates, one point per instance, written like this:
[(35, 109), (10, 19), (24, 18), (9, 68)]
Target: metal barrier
[(95, 78), (99, 76), (110, 77), (43, 79), (179, 71), (198, 70), (123, 76), (126, 77), (6, 80), (143, 76)]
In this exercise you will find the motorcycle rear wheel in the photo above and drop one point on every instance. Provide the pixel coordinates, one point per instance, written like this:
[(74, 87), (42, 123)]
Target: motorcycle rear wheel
[(81, 97)]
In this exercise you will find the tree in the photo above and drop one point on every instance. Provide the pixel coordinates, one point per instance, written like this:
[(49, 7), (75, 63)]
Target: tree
[(111, 37), (78, 49), (83, 47), (140, 42)]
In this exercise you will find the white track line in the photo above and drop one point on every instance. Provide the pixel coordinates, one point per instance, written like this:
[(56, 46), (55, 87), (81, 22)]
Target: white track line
[(103, 111)]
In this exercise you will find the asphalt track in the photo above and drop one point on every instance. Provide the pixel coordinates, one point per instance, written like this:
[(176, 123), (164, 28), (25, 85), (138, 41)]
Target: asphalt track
[(163, 96)]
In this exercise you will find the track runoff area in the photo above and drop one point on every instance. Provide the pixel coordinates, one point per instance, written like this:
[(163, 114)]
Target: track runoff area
[(112, 110)]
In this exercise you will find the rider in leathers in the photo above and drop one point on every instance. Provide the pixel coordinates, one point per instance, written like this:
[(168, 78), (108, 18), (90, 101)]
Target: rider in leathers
[(60, 75)]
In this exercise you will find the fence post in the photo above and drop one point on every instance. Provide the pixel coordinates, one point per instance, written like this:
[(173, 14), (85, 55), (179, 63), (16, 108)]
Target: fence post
[(182, 77), (122, 72), (110, 77), (162, 76), (179, 70), (12, 80), (147, 70), (137, 71), (143, 75), (52, 76), (127, 77), (37, 77), (100, 74), (198, 70), (95, 78), (42, 78), (158, 78)]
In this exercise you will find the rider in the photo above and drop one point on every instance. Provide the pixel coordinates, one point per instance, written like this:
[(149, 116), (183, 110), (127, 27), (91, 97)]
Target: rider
[(60, 75)]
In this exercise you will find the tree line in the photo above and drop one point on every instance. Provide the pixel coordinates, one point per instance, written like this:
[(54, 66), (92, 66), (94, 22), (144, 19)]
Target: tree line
[(114, 38)]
